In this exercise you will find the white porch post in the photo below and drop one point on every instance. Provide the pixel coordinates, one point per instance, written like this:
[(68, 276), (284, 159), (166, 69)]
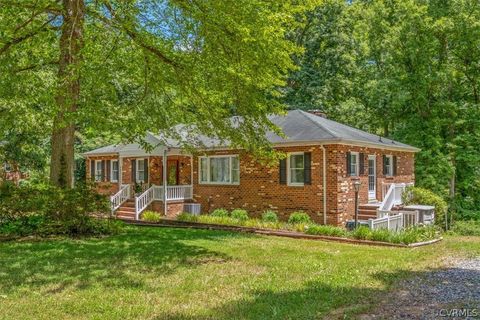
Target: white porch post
[(165, 152)]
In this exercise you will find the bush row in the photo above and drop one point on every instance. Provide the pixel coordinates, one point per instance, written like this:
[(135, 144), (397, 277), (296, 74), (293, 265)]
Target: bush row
[(301, 222)]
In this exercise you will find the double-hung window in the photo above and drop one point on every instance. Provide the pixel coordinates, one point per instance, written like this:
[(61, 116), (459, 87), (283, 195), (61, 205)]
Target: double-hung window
[(354, 160), (219, 170), (296, 168), (141, 170), (98, 170), (114, 171), (388, 165)]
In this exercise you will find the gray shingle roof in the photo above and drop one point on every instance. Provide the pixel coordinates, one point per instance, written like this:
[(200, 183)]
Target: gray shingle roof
[(298, 127)]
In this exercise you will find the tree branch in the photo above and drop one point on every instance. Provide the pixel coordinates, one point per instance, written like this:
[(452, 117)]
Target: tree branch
[(118, 24), (18, 40)]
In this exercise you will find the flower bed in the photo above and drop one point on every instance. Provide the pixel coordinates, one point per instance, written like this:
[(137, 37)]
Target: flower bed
[(407, 236)]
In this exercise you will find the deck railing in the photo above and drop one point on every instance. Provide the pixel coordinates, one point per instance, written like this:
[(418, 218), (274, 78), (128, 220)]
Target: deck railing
[(120, 197), (394, 220), (156, 193)]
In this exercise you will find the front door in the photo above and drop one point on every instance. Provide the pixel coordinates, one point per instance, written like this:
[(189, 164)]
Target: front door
[(172, 172), (372, 178)]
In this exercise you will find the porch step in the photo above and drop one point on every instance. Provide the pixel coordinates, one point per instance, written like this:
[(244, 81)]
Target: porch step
[(126, 211), (368, 211)]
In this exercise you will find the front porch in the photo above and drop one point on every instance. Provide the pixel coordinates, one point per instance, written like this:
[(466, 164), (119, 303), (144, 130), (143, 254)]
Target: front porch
[(129, 207), (160, 179)]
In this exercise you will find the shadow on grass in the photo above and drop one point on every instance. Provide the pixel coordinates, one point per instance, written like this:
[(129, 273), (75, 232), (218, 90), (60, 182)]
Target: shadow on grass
[(116, 261), (421, 295)]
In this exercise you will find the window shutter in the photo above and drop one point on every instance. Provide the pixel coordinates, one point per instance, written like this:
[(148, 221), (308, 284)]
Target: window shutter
[(103, 170), (384, 165), (349, 167), (134, 171), (394, 165), (361, 164), (145, 173), (307, 165), (109, 178), (92, 169), (283, 171)]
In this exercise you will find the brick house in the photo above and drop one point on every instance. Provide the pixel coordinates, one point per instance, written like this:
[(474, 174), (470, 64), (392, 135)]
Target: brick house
[(10, 171), (323, 160)]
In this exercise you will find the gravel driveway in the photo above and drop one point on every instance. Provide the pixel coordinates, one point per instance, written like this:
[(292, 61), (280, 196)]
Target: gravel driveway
[(449, 293)]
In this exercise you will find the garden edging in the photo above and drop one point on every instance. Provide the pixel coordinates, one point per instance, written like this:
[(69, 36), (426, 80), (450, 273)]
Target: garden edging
[(271, 232)]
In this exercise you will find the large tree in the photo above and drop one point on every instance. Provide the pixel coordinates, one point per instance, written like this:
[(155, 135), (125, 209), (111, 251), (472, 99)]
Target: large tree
[(131, 66), (408, 69)]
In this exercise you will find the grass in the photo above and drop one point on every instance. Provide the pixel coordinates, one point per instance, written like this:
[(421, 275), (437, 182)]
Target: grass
[(166, 273)]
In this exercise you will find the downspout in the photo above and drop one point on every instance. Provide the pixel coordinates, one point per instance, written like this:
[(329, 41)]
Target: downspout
[(165, 153), (324, 176)]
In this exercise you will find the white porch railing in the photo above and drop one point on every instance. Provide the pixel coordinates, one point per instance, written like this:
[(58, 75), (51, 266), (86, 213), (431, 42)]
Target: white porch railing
[(120, 197), (394, 220), (393, 195), (156, 193)]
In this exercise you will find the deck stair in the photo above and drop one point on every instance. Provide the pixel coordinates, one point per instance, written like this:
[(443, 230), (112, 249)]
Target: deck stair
[(368, 210), (126, 210)]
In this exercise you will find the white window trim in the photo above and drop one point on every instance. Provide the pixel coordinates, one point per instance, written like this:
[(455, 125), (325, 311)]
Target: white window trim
[(230, 156), (111, 171), (389, 172), (289, 183), (136, 170), (96, 169), (7, 167), (357, 164)]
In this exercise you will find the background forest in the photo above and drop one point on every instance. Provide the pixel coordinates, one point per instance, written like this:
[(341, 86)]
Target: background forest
[(408, 70), (405, 69)]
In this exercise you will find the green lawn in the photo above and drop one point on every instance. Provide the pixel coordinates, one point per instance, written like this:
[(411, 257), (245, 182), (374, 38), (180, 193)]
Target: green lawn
[(156, 273)]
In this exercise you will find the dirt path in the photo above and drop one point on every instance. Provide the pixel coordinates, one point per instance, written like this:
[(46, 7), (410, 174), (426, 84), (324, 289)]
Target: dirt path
[(449, 293)]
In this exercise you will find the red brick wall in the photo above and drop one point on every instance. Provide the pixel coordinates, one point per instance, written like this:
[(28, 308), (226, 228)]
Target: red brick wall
[(342, 207), (260, 190), (259, 187), (103, 187)]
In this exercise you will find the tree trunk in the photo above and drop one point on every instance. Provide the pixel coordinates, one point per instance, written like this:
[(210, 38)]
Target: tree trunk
[(71, 43)]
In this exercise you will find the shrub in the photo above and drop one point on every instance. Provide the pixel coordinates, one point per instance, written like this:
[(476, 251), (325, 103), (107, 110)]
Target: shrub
[(151, 216), (415, 195), (299, 217), (326, 230), (45, 209), (239, 214), (380, 235), (466, 228), (362, 233), (187, 217), (269, 216), (219, 213)]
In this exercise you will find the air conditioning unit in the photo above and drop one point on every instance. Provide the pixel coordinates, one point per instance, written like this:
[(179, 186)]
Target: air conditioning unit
[(192, 208)]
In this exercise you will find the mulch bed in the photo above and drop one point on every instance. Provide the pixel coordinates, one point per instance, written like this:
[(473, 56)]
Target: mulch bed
[(271, 232)]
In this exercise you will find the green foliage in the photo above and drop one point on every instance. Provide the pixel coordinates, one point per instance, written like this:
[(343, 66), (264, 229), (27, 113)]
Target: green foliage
[(361, 233), (220, 213), (299, 217), (269, 216), (406, 70), (326, 230), (151, 216), (416, 195), (466, 228), (239, 214), (43, 209)]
